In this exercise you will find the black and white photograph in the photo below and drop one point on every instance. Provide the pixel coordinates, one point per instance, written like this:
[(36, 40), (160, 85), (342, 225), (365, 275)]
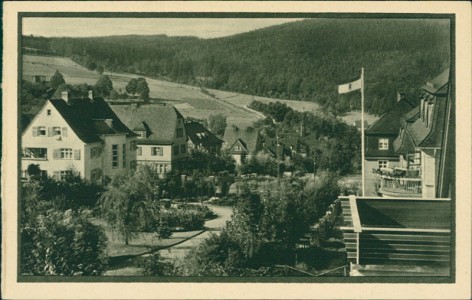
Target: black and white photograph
[(209, 147)]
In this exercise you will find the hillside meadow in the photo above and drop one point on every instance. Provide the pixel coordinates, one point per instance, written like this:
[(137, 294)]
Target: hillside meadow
[(191, 101)]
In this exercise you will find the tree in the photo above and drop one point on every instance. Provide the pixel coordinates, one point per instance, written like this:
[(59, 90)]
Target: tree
[(130, 204), (131, 86), (142, 88), (103, 86), (56, 79), (91, 65), (217, 124), (100, 69)]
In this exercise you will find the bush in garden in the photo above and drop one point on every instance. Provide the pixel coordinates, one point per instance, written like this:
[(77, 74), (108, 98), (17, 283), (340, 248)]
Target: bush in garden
[(62, 243)]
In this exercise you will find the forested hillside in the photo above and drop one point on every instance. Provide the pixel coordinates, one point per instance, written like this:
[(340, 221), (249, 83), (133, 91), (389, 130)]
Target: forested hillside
[(303, 60)]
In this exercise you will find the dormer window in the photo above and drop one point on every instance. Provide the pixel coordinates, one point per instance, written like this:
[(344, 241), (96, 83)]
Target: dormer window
[(141, 134), (383, 144)]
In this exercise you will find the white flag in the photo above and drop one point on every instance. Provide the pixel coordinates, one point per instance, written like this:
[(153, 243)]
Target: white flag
[(349, 87)]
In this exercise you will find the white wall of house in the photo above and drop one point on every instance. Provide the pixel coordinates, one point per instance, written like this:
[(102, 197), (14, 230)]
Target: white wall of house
[(115, 163), (429, 171), (48, 130), (161, 161)]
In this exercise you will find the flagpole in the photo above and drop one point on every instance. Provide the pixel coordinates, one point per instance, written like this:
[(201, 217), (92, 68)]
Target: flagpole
[(362, 132)]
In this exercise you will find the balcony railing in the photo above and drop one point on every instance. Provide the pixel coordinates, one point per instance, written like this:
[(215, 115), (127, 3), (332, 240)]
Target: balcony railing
[(400, 186)]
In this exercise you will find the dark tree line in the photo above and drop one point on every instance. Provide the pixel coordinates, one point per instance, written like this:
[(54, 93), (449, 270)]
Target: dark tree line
[(303, 60)]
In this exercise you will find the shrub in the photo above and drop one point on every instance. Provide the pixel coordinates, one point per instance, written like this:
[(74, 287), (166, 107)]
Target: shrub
[(62, 243)]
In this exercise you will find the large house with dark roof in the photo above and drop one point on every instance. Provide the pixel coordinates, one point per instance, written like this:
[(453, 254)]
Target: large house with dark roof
[(420, 140), (379, 139), (78, 135), (407, 232), (162, 137), (242, 144), (198, 137)]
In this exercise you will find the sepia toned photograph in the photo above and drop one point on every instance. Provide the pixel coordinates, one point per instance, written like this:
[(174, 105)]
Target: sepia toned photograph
[(236, 147)]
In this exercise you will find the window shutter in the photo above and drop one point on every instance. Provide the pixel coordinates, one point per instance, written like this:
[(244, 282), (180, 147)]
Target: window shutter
[(50, 131), (35, 131), (64, 131), (76, 154), (56, 154), (56, 175)]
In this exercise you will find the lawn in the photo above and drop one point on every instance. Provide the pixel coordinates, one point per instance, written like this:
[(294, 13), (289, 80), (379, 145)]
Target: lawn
[(141, 242)]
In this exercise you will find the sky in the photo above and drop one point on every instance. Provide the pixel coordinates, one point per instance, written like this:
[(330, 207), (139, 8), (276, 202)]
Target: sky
[(86, 27)]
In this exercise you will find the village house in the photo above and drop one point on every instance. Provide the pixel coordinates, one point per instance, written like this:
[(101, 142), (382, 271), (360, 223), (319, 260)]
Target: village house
[(242, 144), (379, 138), (78, 135), (198, 137), (162, 139)]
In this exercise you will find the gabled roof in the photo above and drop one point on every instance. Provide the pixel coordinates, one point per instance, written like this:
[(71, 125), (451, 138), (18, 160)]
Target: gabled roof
[(90, 119), (199, 135), (416, 133), (389, 122), (249, 137), (159, 120)]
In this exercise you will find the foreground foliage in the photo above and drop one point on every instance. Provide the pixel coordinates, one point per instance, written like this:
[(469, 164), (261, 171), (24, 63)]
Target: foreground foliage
[(58, 242)]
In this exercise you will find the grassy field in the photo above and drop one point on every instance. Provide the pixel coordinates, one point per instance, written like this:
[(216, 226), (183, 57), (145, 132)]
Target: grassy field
[(189, 100)]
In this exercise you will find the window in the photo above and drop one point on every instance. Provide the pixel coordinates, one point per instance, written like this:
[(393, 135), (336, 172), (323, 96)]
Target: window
[(56, 131), (114, 156), (37, 153), (49, 112), (157, 151), (95, 152), (383, 144), (176, 150), (65, 153), (140, 151), (383, 164), (161, 169), (95, 175), (124, 155), (62, 175), (180, 132), (141, 134), (237, 148), (132, 146), (182, 149)]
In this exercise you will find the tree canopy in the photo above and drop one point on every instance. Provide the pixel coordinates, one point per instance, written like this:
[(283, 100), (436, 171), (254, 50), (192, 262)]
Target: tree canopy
[(103, 86), (303, 60), (56, 79)]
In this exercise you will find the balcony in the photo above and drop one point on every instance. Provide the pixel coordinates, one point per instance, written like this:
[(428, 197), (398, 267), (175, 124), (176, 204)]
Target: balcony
[(400, 187)]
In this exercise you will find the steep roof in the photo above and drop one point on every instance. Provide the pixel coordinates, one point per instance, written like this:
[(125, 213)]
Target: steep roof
[(438, 84), (249, 137), (389, 122), (159, 120), (416, 132), (90, 119), (199, 135)]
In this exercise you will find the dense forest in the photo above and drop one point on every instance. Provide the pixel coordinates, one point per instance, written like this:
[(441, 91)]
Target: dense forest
[(303, 60)]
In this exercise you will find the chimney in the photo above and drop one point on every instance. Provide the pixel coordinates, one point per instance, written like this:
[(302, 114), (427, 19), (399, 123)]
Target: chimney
[(90, 95), (65, 96)]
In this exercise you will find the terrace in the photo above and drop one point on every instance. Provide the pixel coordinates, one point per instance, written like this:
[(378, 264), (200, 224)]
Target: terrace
[(397, 237), (399, 183)]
